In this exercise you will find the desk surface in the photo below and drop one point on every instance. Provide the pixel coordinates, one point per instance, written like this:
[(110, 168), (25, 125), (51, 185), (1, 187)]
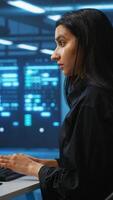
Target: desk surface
[(17, 187)]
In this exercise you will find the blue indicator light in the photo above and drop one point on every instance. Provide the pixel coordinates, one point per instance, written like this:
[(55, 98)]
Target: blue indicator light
[(41, 67), (41, 130), (28, 108), (9, 75), (43, 104), (6, 104), (27, 120), (45, 83), (30, 96), (8, 68), (38, 108), (56, 124), (9, 79), (37, 100), (5, 114), (45, 114), (27, 100), (54, 83), (1, 108), (29, 72), (37, 95), (15, 123), (14, 104), (28, 85), (45, 74), (15, 84), (50, 79), (52, 104), (7, 84), (28, 104), (1, 129)]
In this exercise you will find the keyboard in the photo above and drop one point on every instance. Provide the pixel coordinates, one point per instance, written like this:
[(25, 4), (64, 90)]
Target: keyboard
[(8, 174)]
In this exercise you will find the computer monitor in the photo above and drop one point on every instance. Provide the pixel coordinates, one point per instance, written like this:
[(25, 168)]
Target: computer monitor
[(30, 113)]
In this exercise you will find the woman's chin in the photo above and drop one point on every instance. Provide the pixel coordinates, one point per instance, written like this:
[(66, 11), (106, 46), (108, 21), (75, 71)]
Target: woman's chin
[(66, 73)]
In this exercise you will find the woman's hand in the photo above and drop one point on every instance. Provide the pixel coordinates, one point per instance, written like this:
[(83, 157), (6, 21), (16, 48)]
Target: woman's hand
[(20, 163), (47, 162)]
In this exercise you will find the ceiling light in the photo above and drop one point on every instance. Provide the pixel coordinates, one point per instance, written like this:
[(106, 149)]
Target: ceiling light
[(97, 6), (58, 8), (47, 51), (54, 17), (27, 47), (5, 42), (26, 6)]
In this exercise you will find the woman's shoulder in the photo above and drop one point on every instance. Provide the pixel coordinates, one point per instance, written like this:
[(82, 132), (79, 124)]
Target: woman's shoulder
[(97, 96)]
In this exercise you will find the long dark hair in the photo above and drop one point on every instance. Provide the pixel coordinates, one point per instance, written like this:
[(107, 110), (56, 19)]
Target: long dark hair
[(95, 35)]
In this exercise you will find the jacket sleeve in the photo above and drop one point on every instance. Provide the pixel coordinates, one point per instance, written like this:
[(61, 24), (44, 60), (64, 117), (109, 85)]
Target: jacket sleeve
[(57, 182)]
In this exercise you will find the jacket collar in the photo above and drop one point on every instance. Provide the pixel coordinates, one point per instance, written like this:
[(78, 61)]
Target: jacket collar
[(75, 90)]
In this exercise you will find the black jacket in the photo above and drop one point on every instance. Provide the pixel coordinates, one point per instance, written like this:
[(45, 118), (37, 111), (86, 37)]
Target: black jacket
[(86, 148)]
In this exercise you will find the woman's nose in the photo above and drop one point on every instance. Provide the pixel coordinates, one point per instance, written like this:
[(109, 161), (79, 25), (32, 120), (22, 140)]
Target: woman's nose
[(55, 56)]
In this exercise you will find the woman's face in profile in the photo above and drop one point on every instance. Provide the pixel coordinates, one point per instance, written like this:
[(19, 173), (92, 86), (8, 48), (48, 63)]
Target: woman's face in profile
[(66, 49)]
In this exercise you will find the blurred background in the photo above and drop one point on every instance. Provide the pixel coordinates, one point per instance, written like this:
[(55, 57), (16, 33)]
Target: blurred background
[(32, 106)]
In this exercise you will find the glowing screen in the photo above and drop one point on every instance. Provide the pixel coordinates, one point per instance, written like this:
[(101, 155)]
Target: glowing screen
[(29, 106)]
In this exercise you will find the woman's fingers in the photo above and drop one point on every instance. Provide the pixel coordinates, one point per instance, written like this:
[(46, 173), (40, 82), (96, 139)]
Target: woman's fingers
[(4, 162), (7, 161), (4, 157)]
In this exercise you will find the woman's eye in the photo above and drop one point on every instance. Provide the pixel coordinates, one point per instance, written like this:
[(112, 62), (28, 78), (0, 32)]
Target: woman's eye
[(61, 43)]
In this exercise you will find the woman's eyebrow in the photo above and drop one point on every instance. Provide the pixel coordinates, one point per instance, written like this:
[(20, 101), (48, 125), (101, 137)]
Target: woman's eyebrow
[(59, 37)]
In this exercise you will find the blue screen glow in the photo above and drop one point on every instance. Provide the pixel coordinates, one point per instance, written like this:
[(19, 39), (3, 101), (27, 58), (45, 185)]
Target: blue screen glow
[(29, 106)]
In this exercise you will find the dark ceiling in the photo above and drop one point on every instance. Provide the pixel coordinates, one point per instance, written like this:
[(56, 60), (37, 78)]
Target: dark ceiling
[(19, 25), (11, 12)]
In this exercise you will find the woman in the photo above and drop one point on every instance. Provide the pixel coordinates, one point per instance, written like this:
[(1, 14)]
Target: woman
[(84, 170)]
